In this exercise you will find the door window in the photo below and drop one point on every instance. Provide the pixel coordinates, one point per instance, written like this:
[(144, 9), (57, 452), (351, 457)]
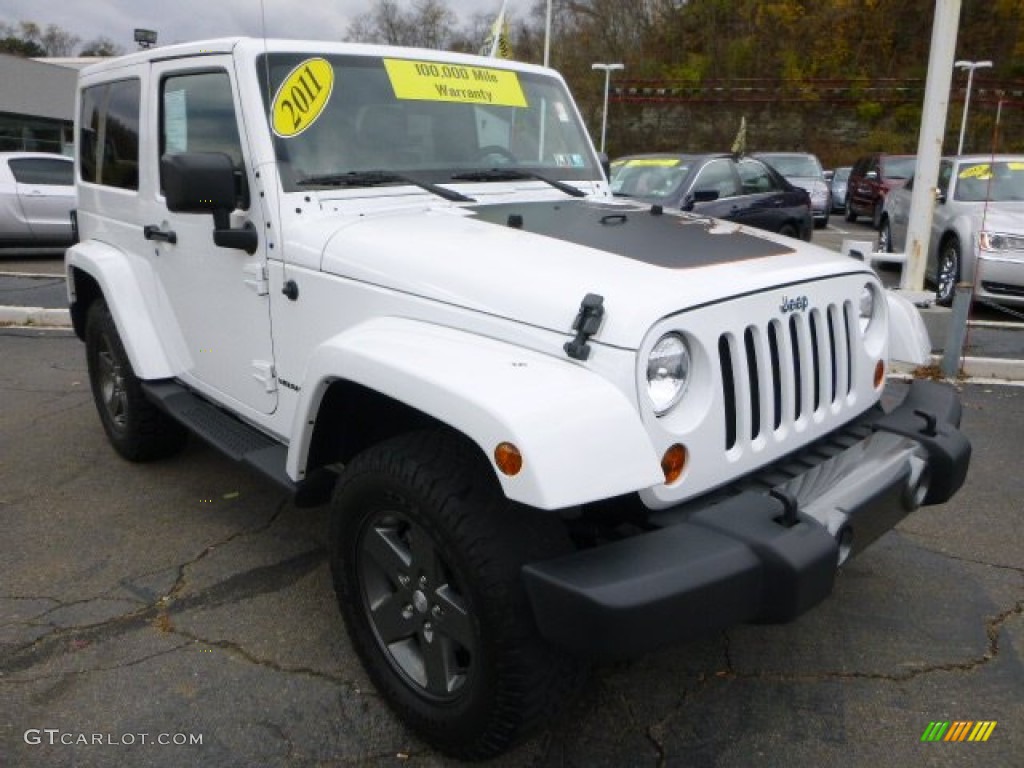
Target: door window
[(755, 177), (42, 170), (717, 176), (197, 114)]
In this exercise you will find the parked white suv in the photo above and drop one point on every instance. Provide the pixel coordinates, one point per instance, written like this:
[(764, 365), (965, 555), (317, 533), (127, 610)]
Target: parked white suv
[(551, 426)]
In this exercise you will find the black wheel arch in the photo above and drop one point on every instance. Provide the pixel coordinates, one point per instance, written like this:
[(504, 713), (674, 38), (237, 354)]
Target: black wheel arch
[(86, 291)]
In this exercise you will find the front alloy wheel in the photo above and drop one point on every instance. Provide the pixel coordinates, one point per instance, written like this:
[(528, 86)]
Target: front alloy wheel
[(426, 557), (949, 272), (417, 611), (885, 237)]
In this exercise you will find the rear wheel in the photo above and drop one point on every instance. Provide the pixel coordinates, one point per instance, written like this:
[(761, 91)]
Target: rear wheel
[(426, 555), (137, 429), (789, 230), (851, 215), (948, 272), (876, 215)]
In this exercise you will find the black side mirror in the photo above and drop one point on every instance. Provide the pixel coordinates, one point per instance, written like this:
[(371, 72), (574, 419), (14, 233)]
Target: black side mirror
[(606, 164), (201, 182), (198, 182)]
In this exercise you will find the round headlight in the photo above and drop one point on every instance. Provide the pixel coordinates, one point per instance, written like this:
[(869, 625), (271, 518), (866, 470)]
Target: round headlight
[(866, 308), (668, 370)]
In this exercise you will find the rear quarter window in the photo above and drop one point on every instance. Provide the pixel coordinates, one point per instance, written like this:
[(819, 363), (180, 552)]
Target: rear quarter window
[(108, 134)]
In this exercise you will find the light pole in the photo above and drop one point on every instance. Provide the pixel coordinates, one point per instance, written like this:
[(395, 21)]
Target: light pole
[(608, 69), (970, 66)]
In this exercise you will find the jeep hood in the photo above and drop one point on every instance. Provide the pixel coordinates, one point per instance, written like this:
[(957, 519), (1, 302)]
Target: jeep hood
[(534, 262)]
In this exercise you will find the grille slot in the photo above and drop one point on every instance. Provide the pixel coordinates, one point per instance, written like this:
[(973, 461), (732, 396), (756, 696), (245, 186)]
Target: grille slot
[(773, 376)]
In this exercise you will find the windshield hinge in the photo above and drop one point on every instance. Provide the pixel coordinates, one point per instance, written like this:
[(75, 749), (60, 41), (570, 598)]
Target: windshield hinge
[(586, 324), (256, 278), (265, 374)]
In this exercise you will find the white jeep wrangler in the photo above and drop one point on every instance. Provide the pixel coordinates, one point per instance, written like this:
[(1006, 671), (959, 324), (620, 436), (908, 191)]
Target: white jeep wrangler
[(551, 425)]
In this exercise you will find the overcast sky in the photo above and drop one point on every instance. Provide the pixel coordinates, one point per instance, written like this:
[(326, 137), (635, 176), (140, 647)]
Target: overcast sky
[(184, 20)]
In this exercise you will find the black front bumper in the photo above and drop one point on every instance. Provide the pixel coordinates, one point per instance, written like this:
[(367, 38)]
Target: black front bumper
[(748, 557)]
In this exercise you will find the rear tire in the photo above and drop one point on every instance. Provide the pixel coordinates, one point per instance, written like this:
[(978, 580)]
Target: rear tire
[(789, 230), (851, 215), (426, 555), (137, 429)]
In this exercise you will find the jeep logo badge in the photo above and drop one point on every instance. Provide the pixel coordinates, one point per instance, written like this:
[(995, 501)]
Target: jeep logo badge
[(798, 304)]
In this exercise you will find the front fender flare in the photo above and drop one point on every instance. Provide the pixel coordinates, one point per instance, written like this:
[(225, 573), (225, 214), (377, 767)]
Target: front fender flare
[(909, 341), (122, 280), (580, 437)]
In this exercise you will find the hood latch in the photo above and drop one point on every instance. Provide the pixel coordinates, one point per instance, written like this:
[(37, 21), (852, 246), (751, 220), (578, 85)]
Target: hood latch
[(586, 324)]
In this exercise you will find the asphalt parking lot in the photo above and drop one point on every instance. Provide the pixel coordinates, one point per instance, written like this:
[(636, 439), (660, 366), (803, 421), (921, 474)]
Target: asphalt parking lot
[(189, 601)]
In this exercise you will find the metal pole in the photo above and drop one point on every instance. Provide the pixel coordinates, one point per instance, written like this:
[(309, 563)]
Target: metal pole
[(547, 36), (967, 104), (929, 146), (604, 111), (957, 335), (970, 66), (608, 68)]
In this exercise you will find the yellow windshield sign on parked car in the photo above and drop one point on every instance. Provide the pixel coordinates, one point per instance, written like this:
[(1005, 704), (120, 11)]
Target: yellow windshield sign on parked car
[(653, 162), (430, 81), (302, 97)]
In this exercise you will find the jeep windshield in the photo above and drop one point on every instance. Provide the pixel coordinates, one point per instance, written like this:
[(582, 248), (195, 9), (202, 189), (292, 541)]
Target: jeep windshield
[(341, 116)]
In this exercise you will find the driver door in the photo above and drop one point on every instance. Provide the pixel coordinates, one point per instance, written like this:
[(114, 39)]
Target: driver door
[(217, 298)]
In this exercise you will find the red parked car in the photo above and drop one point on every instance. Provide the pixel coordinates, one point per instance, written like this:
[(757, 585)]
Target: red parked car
[(870, 181)]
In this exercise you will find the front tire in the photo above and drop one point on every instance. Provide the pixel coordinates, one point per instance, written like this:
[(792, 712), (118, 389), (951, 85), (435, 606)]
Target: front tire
[(948, 272), (426, 556), (885, 236), (137, 429)]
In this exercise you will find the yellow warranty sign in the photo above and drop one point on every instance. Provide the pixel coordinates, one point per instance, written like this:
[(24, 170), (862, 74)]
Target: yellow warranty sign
[(432, 81), (302, 97), (653, 162)]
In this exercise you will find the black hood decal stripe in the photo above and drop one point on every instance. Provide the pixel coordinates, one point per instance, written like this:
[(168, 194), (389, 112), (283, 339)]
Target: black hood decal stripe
[(636, 232)]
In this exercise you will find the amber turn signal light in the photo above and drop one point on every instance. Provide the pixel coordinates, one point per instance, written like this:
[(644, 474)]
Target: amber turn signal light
[(879, 374), (508, 458), (673, 463)]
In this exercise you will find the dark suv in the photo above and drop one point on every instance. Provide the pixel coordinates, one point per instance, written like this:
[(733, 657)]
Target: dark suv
[(870, 181)]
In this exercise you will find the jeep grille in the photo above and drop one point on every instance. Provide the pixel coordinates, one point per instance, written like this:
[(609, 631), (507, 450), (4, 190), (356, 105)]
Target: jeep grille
[(777, 373)]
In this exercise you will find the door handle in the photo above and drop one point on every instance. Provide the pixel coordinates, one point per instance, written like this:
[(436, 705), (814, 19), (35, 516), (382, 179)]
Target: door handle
[(153, 232)]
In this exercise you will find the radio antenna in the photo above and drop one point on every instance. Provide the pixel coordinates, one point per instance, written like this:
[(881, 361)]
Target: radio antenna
[(270, 121)]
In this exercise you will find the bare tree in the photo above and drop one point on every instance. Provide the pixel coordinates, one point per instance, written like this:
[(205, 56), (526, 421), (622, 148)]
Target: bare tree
[(427, 24), (57, 41), (101, 46)]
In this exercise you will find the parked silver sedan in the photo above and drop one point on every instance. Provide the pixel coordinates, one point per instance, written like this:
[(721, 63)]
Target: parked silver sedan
[(977, 227), (803, 170), (37, 194), (838, 182)]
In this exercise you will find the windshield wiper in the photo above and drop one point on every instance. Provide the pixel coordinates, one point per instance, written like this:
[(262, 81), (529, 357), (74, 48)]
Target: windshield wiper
[(508, 174), (375, 178)]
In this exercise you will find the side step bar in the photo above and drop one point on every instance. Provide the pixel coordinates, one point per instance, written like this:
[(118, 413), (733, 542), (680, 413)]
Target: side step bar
[(237, 440)]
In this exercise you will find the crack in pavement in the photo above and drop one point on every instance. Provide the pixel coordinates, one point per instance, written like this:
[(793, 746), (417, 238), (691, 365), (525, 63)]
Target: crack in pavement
[(236, 588), (243, 586), (240, 651), (959, 558), (992, 628)]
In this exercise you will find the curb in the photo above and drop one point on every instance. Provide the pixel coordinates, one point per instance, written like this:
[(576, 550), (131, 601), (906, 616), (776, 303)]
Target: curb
[(994, 369), (35, 316)]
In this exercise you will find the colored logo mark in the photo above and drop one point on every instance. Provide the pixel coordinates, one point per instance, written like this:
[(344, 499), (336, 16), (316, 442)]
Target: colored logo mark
[(959, 730)]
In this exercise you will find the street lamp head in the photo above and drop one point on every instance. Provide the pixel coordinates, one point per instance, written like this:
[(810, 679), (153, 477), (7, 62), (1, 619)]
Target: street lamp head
[(608, 67), (963, 64)]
